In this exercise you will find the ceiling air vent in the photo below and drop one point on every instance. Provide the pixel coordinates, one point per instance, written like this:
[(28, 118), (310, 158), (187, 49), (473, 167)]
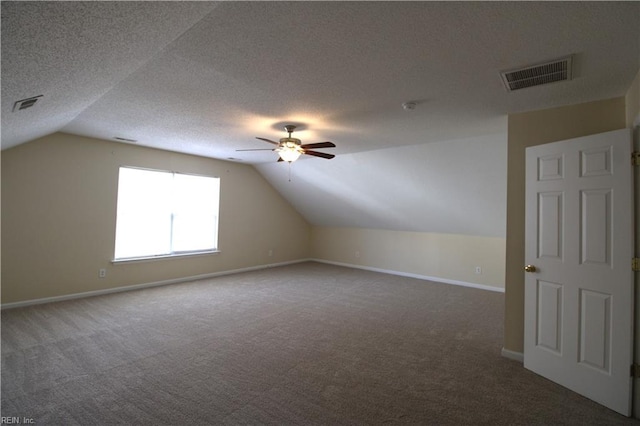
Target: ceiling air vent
[(25, 103), (121, 139), (537, 75)]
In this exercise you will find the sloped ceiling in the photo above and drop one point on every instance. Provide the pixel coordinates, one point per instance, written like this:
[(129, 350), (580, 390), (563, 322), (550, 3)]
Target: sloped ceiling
[(206, 78), (455, 186)]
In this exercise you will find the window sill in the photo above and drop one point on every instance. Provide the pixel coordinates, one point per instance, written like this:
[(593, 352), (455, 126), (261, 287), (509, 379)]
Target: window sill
[(164, 256)]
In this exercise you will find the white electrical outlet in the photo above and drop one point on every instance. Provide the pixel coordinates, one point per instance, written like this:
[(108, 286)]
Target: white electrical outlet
[(357, 254), (478, 270), (102, 273), (270, 252)]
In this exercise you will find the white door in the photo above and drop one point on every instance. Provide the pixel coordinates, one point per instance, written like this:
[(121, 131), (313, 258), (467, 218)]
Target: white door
[(579, 242)]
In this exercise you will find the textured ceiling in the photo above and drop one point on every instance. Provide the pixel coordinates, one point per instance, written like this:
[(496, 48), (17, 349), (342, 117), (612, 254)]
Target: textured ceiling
[(206, 78)]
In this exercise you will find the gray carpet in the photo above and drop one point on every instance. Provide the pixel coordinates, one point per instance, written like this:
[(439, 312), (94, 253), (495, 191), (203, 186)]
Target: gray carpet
[(301, 344)]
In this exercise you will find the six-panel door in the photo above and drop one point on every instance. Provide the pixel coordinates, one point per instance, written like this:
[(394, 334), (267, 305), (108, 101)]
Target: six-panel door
[(579, 300)]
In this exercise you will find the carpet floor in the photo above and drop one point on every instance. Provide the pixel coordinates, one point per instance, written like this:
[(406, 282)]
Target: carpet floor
[(303, 344)]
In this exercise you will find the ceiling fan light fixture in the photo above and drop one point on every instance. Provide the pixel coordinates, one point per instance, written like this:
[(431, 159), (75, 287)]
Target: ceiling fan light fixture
[(289, 151)]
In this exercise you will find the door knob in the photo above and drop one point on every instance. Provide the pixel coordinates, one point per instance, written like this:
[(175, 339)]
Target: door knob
[(530, 268)]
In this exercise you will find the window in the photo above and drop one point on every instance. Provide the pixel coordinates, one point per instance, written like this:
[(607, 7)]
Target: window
[(165, 213)]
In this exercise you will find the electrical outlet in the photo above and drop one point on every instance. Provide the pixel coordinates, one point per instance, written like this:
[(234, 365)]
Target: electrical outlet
[(478, 270), (270, 252), (357, 254), (102, 273)]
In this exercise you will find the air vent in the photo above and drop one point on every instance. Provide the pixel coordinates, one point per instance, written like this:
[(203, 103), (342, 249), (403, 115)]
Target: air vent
[(118, 138), (25, 103), (537, 75)]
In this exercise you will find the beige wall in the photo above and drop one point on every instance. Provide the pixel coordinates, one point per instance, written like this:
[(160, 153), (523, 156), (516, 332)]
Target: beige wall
[(446, 256), (632, 102), (530, 129), (58, 218)]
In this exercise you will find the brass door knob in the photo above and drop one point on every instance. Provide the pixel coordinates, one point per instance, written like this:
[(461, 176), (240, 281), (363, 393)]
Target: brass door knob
[(530, 268)]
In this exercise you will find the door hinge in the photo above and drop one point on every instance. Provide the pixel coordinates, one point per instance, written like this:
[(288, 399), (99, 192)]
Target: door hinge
[(635, 370), (635, 158), (635, 264)]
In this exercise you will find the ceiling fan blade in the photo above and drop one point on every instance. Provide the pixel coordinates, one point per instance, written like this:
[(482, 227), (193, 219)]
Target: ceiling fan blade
[(267, 140), (319, 154), (260, 149), (319, 145)]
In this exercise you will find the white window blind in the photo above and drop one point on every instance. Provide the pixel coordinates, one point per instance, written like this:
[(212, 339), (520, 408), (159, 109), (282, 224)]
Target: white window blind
[(165, 213)]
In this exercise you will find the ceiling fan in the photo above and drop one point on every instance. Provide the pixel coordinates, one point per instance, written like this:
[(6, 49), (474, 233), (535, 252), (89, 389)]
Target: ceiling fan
[(290, 148)]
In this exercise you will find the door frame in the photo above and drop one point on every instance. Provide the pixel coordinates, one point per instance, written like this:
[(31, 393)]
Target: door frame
[(635, 388)]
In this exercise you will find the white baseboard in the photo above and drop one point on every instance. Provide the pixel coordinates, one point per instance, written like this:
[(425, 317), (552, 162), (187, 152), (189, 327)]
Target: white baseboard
[(516, 356), (236, 271), (411, 275), (144, 285)]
